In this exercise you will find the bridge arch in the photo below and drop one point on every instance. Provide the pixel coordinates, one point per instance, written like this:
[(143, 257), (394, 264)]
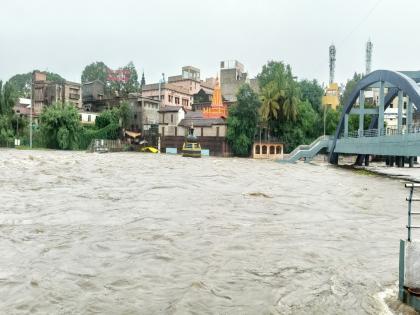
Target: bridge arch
[(398, 82)]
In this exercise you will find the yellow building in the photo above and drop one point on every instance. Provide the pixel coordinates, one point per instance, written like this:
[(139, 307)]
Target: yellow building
[(331, 97)]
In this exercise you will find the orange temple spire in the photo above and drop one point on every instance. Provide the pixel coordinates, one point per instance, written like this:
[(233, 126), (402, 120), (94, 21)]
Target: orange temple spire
[(217, 109)]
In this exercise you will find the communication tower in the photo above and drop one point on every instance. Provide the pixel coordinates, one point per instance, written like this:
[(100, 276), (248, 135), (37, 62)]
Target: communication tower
[(332, 63), (369, 48)]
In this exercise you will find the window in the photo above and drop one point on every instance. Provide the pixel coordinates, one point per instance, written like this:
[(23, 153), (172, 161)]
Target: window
[(163, 131), (177, 100), (257, 149), (405, 105), (89, 118), (170, 98), (264, 149), (202, 131), (172, 118), (272, 149), (135, 116), (176, 131), (217, 131), (184, 102)]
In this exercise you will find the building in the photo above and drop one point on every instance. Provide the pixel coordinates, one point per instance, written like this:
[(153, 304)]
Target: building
[(170, 94), (144, 113), (45, 93), (92, 92), (267, 150), (88, 118), (331, 98), (169, 119), (232, 76), (22, 106), (209, 126), (143, 110), (180, 89)]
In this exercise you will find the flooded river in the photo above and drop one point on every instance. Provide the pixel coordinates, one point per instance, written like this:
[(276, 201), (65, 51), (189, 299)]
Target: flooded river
[(128, 233)]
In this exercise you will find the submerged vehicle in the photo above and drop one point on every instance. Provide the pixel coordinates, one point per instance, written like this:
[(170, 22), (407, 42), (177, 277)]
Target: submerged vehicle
[(149, 149), (191, 146)]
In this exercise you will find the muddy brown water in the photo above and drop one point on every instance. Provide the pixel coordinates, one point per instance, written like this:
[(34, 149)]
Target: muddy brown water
[(130, 233)]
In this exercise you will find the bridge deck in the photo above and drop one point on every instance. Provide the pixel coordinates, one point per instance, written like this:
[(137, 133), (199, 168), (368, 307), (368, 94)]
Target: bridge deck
[(398, 145)]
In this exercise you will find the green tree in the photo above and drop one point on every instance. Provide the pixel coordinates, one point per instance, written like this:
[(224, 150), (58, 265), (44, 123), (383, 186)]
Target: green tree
[(312, 92), (302, 131), (269, 103), (117, 115), (132, 84), (107, 117), (276, 80), (350, 85), (125, 113), (7, 101), (95, 71), (242, 121), (60, 126)]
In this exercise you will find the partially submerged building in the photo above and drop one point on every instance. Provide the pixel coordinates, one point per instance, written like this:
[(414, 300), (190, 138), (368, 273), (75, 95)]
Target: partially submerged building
[(209, 126)]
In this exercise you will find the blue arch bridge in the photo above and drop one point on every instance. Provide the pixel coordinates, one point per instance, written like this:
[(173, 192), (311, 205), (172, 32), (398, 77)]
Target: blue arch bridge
[(398, 144)]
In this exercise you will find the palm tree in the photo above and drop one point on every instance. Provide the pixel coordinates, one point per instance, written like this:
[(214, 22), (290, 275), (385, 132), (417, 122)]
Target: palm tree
[(269, 103), (289, 101)]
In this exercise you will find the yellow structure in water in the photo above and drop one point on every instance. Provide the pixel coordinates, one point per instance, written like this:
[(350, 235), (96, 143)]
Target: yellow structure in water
[(331, 97)]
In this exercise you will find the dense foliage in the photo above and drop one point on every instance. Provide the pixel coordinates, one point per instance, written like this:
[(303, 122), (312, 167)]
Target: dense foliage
[(243, 120), (60, 126), (7, 101)]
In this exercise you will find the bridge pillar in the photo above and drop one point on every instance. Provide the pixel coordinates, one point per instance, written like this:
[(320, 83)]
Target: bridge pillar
[(391, 161), (346, 125), (367, 160), (400, 108), (381, 108), (411, 161), (409, 114), (361, 115)]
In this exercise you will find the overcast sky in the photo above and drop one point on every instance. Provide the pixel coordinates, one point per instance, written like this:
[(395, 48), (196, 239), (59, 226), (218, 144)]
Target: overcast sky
[(164, 35)]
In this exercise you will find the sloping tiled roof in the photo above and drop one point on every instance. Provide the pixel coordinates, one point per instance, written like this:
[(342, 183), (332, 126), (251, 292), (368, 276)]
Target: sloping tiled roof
[(202, 122), (168, 109)]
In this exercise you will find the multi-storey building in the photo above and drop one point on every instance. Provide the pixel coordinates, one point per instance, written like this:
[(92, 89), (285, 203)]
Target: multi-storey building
[(45, 93), (232, 76), (180, 89)]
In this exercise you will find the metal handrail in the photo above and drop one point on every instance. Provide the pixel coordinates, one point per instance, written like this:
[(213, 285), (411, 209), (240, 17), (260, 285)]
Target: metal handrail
[(409, 129), (410, 200)]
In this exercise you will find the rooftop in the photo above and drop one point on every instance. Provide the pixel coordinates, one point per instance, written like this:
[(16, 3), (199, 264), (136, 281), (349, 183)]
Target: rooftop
[(169, 109)]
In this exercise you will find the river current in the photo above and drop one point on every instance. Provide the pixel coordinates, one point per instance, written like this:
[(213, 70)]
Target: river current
[(131, 233)]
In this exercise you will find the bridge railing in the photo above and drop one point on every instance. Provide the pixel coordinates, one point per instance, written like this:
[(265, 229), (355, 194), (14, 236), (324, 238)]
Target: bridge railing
[(308, 146), (410, 129)]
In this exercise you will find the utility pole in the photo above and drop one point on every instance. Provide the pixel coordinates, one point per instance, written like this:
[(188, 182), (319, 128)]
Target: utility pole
[(31, 109)]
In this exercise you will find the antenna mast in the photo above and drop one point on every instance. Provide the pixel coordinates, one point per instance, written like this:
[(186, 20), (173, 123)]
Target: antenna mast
[(332, 63), (369, 48)]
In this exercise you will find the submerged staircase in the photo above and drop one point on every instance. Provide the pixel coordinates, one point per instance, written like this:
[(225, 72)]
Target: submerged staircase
[(308, 151)]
